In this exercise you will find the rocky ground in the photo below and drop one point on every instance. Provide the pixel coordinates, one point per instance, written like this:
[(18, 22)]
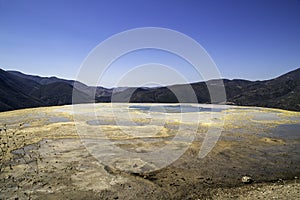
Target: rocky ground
[(278, 190), (43, 157)]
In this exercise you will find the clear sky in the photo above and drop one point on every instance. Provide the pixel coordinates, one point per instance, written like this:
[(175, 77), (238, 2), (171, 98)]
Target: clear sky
[(249, 39)]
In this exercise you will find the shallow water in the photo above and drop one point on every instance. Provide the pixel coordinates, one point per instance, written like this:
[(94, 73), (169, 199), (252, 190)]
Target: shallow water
[(55, 119), (287, 131), (175, 108), (98, 122), (265, 117)]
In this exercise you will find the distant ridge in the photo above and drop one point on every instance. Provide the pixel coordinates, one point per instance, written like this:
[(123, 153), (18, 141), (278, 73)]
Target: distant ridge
[(20, 90), (41, 80)]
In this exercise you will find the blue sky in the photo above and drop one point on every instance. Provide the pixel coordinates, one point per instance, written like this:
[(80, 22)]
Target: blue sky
[(256, 40)]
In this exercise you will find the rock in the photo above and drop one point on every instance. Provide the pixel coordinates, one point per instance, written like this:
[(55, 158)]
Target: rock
[(247, 179)]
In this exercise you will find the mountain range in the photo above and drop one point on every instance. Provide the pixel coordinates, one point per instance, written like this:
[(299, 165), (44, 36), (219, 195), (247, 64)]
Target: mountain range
[(20, 90)]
